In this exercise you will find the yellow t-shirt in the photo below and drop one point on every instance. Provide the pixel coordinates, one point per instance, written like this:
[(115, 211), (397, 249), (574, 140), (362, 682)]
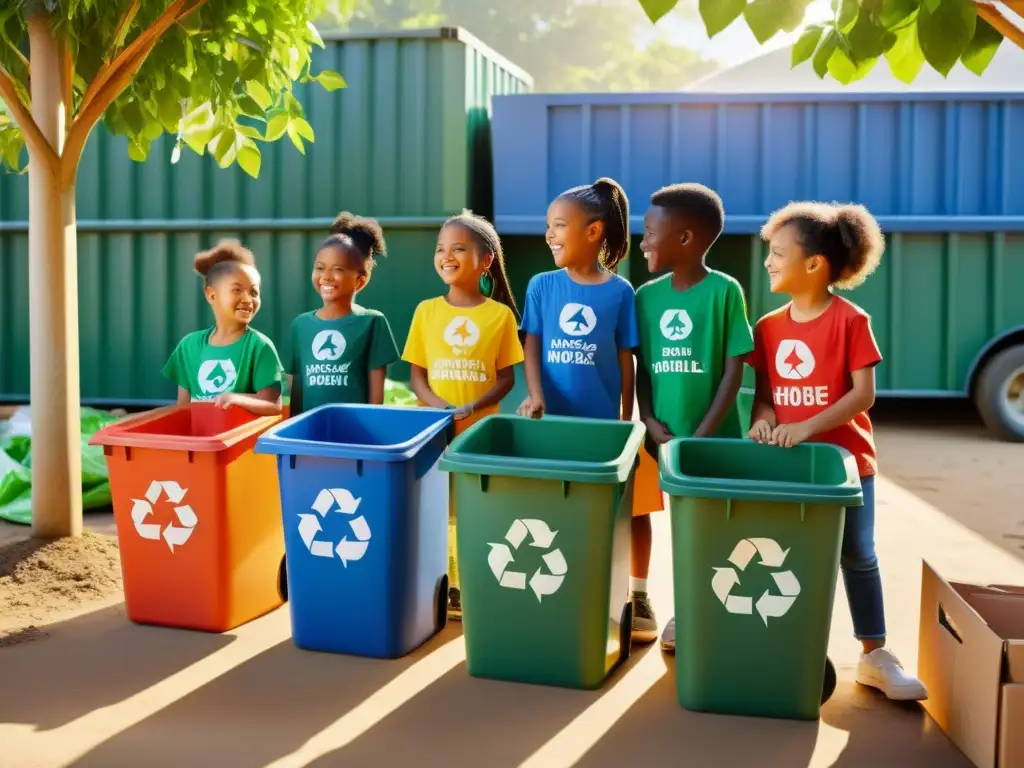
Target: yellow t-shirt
[(462, 349)]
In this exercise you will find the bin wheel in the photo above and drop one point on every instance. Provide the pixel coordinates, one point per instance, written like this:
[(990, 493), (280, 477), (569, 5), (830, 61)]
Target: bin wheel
[(626, 633), (828, 686), (282, 580), (999, 394), (441, 604)]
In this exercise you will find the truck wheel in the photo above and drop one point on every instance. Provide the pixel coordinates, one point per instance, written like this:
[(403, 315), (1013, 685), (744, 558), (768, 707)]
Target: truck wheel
[(999, 396), (282, 580), (828, 685), (441, 605)]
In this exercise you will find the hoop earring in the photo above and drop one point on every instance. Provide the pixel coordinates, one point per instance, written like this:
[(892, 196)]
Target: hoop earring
[(486, 284)]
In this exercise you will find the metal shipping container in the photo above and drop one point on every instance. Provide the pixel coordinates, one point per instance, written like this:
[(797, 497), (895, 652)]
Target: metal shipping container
[(938, 170), (407, 141)]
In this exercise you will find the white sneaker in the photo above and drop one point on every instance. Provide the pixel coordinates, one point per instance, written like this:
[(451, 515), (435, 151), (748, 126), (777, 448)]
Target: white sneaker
[(882, 670)]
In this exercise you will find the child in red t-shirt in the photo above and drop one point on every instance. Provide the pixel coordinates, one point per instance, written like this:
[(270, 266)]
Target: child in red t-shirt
[(815, 360)]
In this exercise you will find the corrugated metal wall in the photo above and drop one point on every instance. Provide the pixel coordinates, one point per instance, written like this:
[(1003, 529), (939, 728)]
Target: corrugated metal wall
[(408, 142), (935, 300), (920, 162)]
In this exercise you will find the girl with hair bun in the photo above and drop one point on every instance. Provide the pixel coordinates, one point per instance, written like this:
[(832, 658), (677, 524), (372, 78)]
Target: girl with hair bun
[(815, 360), (340, 352), (230, 363)]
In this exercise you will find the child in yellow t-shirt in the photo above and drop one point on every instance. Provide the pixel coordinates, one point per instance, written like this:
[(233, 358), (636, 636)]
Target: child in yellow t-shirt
[(461, 347)]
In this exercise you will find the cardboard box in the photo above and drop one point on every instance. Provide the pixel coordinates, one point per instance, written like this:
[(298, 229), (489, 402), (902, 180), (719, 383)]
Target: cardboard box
[(971, 659)]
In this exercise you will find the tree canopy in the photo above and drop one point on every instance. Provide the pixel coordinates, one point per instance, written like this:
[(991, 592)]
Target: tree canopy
[(907, 33), (216, 75)]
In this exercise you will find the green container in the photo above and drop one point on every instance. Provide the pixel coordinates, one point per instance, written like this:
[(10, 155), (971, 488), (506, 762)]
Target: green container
[(542, 513), (756, 536)]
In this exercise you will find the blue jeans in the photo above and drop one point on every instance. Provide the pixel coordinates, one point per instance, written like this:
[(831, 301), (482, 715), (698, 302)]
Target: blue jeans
[(860, 567)]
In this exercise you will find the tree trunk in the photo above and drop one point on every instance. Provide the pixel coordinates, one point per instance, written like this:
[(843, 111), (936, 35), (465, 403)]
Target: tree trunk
[(53, 302)]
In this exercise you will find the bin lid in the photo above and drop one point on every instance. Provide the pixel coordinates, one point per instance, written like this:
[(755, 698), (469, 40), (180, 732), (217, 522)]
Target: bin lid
[(199, 427), (551, 448), (723, 468), (356, 431)]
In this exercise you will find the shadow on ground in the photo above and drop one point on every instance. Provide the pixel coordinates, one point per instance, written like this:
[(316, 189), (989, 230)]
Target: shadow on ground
[(264, 709), (90, 662)]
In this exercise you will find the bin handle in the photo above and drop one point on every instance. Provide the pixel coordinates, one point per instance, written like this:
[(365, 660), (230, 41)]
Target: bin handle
[(947, 623)]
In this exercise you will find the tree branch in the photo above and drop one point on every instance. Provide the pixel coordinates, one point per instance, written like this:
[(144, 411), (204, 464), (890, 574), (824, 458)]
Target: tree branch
[(38, 146), (1000, 23), (122, 28), (113, 78), (67, 82)]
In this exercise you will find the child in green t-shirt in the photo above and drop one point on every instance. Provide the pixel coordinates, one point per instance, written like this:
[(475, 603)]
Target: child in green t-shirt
[(340, 352), (694, 333), (230, 363)]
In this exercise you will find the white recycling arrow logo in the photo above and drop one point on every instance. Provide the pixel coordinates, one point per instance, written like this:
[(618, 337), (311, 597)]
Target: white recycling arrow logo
[(340, 500), (174, 535), (500, 558), (768, 605)]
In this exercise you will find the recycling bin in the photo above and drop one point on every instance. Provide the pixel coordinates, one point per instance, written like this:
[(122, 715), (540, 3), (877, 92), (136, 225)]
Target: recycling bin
[(756, 537), (543, 511), (197, 515), (365, 513)]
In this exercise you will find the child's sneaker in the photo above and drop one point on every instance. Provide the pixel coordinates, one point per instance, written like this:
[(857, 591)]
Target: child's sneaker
[(454, 604), (882, 670), (668, 637), (645, 625)]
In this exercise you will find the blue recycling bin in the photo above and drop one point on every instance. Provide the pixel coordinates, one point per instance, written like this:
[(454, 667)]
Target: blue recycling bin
[(365, 526)]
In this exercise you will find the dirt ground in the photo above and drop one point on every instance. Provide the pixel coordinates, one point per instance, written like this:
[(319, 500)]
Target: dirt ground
[(82, 686)]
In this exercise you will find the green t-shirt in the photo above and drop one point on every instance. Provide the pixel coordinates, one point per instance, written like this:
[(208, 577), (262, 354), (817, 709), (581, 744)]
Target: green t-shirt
[(685, 338), (246, 367), (332, 359)]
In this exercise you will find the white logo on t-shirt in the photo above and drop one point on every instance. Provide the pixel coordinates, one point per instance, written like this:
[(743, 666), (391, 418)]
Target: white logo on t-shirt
[(461, 334), (794, 360), (328, 345), (676, 324), (577, 319), (216, 376)]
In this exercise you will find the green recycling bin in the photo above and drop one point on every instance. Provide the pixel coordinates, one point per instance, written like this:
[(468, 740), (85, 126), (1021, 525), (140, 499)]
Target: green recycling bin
[(542, 518), (756, 536)]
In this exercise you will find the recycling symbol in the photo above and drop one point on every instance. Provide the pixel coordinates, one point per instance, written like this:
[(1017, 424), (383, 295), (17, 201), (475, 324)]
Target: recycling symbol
[(768, 605), (342, 501), (216, 376), (174, 535), (500, 558)]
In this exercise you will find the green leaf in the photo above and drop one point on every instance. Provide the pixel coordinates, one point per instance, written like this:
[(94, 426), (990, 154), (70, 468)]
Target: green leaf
[(945, 28), (824, 53), (763, 19), (276, 126), (982, 48), (331, 81), (250, 108), (847, 12), (314, 34), (807, 44), (905, 57), (897, 12), (868, 40), (138, 149), (259, 94), (656, 9), (225, 147), (719, 14), (844, 69), (304, 129), (249, 159), (293, 134)]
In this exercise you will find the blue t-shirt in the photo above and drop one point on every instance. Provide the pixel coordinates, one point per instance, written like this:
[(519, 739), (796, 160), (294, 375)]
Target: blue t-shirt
[(581, 329)]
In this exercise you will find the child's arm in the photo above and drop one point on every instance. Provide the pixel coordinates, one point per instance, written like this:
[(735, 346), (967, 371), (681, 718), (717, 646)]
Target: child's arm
[(534, 404), (421, 387), (505, 380), (728, 388), (376, 389), (762, 416), (859, 399), (628, 383), (184, 398), (656, 429), (266, 402)]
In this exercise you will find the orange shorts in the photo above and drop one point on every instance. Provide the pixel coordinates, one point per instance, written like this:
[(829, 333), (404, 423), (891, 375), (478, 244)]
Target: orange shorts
[(647, 495)]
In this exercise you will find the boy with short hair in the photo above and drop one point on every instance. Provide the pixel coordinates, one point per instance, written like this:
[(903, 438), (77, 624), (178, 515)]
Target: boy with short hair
[(694, 332)]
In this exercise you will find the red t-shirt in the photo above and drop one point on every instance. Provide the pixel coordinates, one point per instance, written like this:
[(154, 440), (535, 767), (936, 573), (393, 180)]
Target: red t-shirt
[(809, 369)]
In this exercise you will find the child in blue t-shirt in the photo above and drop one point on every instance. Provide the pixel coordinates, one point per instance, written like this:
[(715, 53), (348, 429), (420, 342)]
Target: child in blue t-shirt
[(581, 330)]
